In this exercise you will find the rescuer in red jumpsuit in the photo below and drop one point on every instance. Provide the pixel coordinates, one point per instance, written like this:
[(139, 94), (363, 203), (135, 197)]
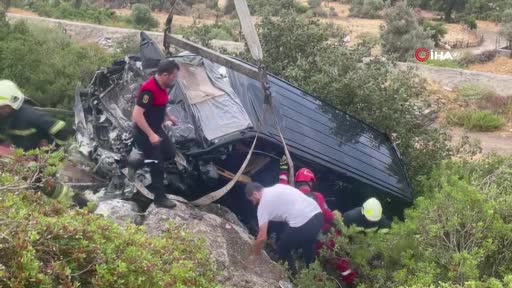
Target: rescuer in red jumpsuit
[(304, 180)]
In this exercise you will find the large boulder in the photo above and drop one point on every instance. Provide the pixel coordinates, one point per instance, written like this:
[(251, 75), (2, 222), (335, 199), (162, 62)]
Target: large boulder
[(228, 243), (122, 212)]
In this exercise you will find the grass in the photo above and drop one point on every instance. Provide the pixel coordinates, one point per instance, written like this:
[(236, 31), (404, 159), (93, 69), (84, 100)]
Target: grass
[(471, 91), (444, 63), (482, 121)]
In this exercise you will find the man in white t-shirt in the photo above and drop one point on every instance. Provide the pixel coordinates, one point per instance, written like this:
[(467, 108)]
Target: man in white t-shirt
[(284, 203)]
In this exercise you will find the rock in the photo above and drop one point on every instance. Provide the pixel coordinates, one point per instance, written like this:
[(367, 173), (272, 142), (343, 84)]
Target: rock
[(228, 244), (122, 212), (224, 213)]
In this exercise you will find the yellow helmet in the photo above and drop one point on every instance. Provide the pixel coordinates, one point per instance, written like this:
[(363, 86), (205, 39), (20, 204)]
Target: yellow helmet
[(10, 94), (372, 210)]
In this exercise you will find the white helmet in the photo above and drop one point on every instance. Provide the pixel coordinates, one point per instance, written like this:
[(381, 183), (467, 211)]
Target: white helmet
[(10, 94), (372, 210)]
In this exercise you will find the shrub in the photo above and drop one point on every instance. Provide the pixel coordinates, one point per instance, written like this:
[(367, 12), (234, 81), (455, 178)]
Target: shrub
[(402, 35), (474, 91), (470, 22), (374, 92), (45, 244), (314, 3), (506, 16), (320, 12), (437, 31), (204, 33), (366, 8), (444, 63), (229, 8), (85, 13), (301, 9), (476, 120), (495, 103), (46, 64), (142, 17)]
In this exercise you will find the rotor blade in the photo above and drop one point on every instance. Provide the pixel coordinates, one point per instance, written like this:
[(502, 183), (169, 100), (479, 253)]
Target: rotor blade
[(249, 30)]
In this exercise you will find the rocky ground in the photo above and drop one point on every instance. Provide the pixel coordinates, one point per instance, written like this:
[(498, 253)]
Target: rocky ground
[(225, 237)]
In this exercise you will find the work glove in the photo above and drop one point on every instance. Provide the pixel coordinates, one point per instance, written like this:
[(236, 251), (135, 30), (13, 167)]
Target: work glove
[(348, 276), (60, 192), (283, 163)]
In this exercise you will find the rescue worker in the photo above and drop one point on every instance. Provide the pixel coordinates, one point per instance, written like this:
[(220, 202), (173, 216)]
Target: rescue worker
[(24, 127), (304, 180), (367, 218), (283, 203), (21, 126), (149, 115)]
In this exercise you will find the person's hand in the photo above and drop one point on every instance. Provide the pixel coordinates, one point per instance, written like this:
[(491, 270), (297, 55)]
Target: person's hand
[(174, 120), (155, 139)]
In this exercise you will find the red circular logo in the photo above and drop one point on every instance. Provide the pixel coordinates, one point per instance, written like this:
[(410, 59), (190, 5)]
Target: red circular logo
[(422, 54)]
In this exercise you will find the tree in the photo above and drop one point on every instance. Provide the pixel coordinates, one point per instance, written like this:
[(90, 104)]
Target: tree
[(141, 17), (506, 32), (436, 30), (299, 51), (448, 7), (366, 8), (402, 34)]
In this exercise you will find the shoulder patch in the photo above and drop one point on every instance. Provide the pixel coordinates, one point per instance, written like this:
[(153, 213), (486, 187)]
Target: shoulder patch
[(145, 99)]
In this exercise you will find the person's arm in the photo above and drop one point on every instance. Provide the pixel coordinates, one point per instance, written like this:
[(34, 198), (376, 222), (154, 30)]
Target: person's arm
[(328, 215), (144, 101), (260, 240), (54, 128)]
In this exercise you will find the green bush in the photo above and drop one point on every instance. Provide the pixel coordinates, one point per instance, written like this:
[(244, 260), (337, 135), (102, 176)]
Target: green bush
[(366, 8), (444, 63), (204, 33), (314, 3), (476, 120), (437, 31), (142, 17), (274, 8), (374, 92), (474, 91), (470, 22), (44, 244), (46, 64), (402, 34)]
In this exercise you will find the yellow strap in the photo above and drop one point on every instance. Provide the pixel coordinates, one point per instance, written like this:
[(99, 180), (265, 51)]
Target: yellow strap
[(26, 132), (57, 127)]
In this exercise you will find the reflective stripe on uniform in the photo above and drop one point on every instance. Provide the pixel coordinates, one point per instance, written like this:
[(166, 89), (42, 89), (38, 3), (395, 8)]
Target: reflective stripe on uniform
[(26, 132), (346, 272), (57, 127), (60, 142)]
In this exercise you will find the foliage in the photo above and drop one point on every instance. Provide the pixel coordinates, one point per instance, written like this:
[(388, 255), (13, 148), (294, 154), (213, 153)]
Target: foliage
[(273, 8), (46, 244), (448, 7), (45, 63), (474, 91), (437, 31), (142, 18), (470, 22), (229, 7), (457, 234), (375, 92), (366, 8), (402, 34), (204, 33), (87, 13), (314, 3), (506, 17), (476, 120), (314, 277), (444, 63)]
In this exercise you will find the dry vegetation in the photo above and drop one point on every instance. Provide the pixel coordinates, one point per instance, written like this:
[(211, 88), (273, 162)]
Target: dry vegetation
[(500, 65)]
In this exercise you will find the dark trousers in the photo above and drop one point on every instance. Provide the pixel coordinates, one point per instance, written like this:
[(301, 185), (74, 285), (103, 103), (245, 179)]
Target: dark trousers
[(165, 151), (303, 237)]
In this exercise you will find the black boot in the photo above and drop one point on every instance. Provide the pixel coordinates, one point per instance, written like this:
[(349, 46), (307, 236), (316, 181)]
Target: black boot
[(164, 202)]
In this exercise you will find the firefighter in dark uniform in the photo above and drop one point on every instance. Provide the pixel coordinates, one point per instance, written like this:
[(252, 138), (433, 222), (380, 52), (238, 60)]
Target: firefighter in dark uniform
[(22, 126), (149, 115), (367, 218)]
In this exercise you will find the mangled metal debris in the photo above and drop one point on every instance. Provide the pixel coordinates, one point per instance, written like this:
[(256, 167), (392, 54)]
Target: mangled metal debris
[(220, 112)]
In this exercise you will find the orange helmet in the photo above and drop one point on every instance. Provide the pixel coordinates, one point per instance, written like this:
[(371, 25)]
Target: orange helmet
[(305, 175)]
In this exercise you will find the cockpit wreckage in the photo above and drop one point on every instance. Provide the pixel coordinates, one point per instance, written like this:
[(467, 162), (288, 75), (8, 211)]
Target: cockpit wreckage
[(235, 122)]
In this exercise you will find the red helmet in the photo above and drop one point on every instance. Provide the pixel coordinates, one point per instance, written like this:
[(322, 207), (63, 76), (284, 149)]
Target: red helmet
[(305, 175)]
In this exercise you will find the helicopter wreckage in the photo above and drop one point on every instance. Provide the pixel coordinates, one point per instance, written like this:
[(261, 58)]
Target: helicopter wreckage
[(221, 111)]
